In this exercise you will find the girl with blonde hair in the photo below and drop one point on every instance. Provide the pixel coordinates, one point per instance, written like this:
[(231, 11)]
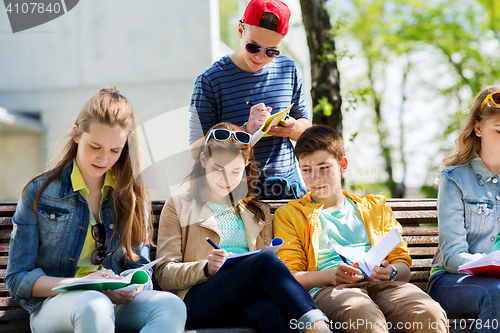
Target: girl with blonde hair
[(88, 218), (469, 216)]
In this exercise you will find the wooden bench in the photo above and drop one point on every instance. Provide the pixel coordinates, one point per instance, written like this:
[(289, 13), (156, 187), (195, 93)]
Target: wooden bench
[(417, 216)]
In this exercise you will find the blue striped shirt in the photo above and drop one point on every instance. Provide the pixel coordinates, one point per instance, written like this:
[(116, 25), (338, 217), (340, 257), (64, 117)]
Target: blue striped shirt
[(220, 95)]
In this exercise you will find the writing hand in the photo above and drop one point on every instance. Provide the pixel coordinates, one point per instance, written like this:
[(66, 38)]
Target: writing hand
[(258, 115), (215, 260)]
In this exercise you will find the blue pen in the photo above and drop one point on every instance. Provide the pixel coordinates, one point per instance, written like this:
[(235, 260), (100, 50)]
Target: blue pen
[(212, 243)]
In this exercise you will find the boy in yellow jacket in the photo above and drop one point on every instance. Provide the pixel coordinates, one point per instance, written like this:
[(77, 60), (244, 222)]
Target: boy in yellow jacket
[(326, 215)]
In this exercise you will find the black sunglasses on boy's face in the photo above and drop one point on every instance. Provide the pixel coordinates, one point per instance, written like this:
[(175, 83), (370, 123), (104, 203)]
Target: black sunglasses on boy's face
[(256, 48)]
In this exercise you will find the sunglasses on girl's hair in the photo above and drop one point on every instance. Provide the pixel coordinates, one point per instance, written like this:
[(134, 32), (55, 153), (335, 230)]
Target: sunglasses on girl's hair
[(493, 97), (222, 134), (256, 48), (99, 235)]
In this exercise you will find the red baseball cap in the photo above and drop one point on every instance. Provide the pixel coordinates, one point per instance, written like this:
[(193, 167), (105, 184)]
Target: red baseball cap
[(256, 8)]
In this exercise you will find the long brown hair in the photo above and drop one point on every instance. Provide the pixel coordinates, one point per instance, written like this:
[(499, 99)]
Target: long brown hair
[(131, 202), (468, 143), (244, 193)]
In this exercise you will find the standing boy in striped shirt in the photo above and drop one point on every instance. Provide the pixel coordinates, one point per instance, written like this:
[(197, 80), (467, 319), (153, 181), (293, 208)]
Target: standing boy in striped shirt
[(246, 87)]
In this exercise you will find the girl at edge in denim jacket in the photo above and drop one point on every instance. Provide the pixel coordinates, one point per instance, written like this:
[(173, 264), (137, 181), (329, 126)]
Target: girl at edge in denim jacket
[(82, 219), (469, 216), (259, 291)]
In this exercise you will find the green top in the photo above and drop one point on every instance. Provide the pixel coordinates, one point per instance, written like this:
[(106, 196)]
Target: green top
[(233, 237), (344, 227)]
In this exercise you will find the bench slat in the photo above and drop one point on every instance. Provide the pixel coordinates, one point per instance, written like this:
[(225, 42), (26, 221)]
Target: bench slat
[(5, 234), (8, 301), (16, 328), (405, 204), (416, 216), (421, 263), (7, 208), (421, 240), (422, 251), (420, 231), (6, 220)]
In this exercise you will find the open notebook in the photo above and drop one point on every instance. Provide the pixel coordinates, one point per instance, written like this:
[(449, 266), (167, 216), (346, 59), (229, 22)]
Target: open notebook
[(231, 260), (133, 280), (489, 265), (375, 255)]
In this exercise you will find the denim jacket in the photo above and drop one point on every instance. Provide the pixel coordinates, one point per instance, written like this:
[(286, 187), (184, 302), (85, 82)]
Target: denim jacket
[(50, 242), (468, 213)]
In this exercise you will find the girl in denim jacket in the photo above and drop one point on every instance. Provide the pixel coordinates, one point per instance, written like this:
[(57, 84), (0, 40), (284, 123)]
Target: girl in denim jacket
[(469, 217), (88, 218)]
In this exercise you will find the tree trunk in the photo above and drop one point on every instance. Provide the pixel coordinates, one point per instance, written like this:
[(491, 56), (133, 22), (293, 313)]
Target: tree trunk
[(401, 189), (325, 92), (386, 149)]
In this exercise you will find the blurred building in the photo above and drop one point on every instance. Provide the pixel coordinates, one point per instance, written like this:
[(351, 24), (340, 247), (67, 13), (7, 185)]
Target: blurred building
[(152, 51)]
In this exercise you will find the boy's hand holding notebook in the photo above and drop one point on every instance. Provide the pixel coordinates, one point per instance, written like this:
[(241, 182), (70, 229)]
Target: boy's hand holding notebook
[(374, 256)]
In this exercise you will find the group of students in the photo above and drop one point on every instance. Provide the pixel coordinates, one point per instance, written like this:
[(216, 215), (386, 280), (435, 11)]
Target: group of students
[(89, 217)]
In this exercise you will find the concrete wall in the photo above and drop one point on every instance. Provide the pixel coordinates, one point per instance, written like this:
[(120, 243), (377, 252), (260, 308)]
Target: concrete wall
[(152, 51), (20, 160)]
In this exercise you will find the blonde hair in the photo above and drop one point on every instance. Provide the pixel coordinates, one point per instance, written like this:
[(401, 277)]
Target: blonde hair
[(131, 203), (468, 143)]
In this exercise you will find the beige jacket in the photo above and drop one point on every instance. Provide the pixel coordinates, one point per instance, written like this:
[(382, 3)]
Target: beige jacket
[(184, 224)]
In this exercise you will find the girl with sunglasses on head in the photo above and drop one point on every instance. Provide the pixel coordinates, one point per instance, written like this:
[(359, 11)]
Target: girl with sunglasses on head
[(88, 218), (220, 205), (249, 85), (469, 216)]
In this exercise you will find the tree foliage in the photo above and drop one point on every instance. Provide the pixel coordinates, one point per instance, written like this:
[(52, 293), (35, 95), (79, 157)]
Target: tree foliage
[(460, 40)]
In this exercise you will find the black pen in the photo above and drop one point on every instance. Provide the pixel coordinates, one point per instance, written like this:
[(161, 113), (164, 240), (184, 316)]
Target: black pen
[(344, 259), (212, 243)]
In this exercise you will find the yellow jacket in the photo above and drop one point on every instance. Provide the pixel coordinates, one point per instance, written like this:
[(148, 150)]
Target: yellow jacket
[(297, 224)]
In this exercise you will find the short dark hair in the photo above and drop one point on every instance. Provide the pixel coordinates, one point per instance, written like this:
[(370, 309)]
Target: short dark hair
[(269, 21), (320, 137)]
